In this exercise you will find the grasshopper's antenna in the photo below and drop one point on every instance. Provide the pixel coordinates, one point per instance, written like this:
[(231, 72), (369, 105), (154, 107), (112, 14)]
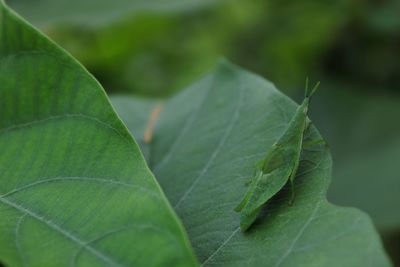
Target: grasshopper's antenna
[(309, 92), (306, 87), (315, 88)]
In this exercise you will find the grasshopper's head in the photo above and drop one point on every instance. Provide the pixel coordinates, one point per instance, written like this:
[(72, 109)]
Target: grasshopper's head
[(308, 94)]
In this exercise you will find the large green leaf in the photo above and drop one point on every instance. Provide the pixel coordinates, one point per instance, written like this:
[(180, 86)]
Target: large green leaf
[(98, 12), (205, 145), (74, 187)]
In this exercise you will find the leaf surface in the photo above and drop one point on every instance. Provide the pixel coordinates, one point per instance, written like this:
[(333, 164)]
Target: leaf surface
[(74, 188), (204, 148)]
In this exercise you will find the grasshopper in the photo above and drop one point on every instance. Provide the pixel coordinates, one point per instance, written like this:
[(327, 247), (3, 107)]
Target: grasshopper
[(279, 165)]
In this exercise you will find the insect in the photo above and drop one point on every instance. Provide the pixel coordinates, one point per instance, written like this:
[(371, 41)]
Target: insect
[(279, 166)]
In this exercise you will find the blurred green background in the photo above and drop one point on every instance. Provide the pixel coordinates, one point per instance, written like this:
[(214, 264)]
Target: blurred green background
[(154, 48)]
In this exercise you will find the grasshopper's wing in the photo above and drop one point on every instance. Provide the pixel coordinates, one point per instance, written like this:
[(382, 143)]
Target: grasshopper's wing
[(246, 220), (248, 214), (257, 174), (267, 186), (264, 185), (244, 201), (249, 192)]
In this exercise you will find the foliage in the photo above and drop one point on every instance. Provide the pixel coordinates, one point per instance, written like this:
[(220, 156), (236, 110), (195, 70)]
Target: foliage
[(153, 49), (97, 13), (202, 154)]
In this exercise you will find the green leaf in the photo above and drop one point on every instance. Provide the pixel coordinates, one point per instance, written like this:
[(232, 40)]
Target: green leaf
[(74, 187), (206, 144), (96, 13)]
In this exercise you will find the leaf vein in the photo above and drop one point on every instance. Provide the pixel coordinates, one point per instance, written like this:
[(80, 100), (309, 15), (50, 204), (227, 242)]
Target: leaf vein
[(60, 230), (221, 246), (17, 236), (86, 179), (189, 121), (297, 237), (217, 149), (59, 117)]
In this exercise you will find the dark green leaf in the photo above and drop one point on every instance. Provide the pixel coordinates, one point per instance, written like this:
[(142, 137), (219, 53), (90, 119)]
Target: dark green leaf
[(206, 144)]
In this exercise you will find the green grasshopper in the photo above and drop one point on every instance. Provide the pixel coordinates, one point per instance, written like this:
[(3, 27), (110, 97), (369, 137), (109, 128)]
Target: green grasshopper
[(279, 166)]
